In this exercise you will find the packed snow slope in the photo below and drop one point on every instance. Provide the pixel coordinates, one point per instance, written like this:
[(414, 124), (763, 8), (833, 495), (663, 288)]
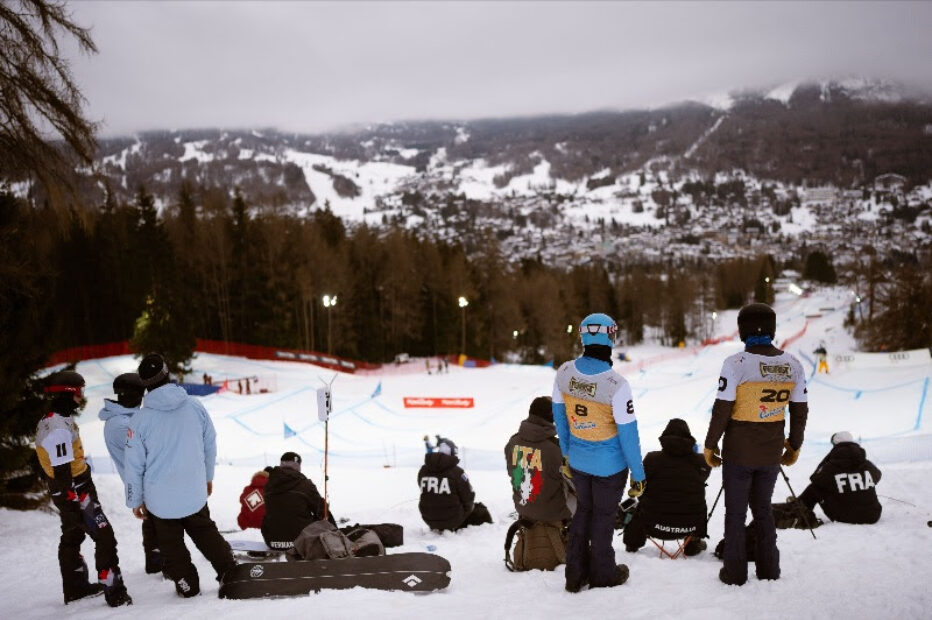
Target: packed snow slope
[(376, 448)]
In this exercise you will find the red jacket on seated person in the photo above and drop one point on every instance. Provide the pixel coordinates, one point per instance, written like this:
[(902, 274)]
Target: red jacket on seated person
[(252, 501)]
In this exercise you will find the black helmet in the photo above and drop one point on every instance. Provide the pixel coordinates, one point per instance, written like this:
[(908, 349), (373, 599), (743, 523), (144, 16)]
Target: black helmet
[(446, 446), (128, 383), (64, 382), (757, 320)]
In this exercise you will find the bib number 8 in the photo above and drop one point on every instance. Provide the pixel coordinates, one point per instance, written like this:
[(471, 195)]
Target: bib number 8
[(581, 410)]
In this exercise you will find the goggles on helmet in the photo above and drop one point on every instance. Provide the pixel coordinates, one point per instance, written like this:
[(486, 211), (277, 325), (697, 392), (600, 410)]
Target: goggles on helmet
[(71, 389), (594, 328)]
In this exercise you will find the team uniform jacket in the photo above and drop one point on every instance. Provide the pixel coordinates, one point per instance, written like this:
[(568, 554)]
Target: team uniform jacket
[(533, 459), (447, 497), (171, 447), (593, 411), (58, 442), (116, 422), (756, 389), (847, 481), (292, 502), (252, 502)]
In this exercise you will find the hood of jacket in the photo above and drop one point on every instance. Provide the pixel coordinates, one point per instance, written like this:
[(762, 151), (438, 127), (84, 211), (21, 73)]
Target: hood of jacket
[(437, 462), (847, 455), (282, 479), (535, 429), (166, 398), (676, 439), (112, 408)]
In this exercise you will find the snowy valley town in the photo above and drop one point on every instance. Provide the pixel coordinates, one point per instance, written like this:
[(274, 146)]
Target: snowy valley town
[(390, 309)]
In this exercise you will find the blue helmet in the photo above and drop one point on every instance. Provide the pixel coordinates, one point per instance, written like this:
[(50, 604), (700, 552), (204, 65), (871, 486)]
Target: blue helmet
[(598, 328)]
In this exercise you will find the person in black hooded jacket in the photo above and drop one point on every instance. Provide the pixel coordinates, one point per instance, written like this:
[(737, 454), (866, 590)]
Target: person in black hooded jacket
[(447, 499), (292, 502), (533, 460), (673, 505), (844, 484)]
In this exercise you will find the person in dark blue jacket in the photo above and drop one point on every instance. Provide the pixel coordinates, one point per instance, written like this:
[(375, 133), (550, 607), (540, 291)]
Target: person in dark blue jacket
[(593, 410), (171, 446)]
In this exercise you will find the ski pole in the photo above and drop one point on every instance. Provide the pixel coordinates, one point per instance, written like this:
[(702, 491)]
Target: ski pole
[(715, 503), (797, 502)]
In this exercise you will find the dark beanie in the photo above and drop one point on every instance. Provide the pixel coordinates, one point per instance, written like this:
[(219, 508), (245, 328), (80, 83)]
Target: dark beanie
[(542, 407), (153, 371), (291, 460), (676, 428)]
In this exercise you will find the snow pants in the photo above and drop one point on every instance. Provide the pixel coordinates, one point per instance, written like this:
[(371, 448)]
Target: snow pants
[(176, 557), (76, 525), (750, 486), (589, 553)]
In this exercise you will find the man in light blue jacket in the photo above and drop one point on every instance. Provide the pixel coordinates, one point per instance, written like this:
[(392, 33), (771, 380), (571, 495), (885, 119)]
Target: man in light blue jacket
[(593, 411), (171, 446), (116, 415)]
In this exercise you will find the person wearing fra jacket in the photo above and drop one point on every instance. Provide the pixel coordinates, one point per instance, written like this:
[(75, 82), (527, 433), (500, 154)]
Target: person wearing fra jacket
[(171, 446), (844, 484), (447, 500)]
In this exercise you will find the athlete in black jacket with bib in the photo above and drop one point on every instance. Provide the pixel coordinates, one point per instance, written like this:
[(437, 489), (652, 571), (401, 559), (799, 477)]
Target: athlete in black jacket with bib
[(844, 484), (292, 502), (673, 505)]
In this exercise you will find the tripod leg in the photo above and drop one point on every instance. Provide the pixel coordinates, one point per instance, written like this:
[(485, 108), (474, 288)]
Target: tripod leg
[(796, 500)]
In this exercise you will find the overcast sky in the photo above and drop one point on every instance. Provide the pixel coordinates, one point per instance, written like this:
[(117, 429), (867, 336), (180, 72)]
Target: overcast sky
[(309, 66)]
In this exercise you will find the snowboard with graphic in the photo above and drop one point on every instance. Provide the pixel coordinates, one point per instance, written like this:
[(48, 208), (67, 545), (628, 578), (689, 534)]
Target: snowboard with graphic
[(410, 572)]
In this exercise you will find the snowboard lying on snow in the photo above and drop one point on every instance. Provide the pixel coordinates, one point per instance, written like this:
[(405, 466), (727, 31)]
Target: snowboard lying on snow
[(411, 572), (254, 550)]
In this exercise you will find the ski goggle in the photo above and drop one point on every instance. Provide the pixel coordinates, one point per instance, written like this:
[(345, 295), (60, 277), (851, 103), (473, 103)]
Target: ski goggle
[(69, 389), (594, 328)]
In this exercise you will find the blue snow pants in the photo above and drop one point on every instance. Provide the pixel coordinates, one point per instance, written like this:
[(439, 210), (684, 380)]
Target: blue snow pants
[(589, 553)]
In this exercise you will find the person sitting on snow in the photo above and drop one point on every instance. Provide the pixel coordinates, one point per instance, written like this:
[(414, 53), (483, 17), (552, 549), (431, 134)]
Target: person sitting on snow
[(292, 502), (673, 505), (447, 499), (844, 483), (252, 501)]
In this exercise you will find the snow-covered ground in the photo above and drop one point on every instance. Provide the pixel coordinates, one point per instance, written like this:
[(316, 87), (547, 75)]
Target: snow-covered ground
[(376, 447)]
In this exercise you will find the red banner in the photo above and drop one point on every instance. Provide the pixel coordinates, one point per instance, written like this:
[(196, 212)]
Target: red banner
[(433, 402)]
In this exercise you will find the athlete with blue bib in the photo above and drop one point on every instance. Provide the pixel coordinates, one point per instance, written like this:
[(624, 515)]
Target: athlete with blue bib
[(594, 414)]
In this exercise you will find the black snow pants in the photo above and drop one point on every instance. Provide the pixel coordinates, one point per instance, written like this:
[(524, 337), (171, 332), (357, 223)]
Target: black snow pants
[(177, 559)]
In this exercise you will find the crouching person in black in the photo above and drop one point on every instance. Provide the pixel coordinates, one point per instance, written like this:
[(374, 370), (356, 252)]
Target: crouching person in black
[(673, 505), (292, 502), (844, 484), (447, 499)]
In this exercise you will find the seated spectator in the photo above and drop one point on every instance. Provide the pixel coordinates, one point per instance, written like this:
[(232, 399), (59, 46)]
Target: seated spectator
[(291, 503), (447, 499), (844, 484), (252, 501), (533, 461), (673, 504)]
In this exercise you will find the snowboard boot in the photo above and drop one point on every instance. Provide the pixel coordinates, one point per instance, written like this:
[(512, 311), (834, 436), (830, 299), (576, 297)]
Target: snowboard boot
[(575, 585), (154, 562), (188, 585), (724, 578), (114, 590), (695, 546), (83, 591), (621, 574), (75, 584)]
